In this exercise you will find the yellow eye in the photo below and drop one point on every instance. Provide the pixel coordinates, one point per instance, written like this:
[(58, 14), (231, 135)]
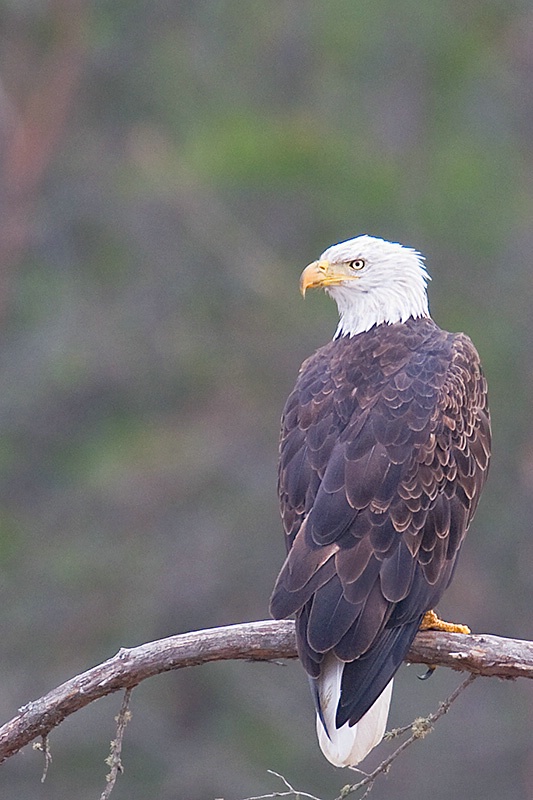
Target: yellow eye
[(358, 263)]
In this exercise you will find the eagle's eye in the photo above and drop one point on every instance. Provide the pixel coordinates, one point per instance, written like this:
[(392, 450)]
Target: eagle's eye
[(357, 263)]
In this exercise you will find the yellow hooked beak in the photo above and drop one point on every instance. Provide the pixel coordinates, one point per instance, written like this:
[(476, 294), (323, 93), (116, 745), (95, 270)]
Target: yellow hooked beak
[(323, 273)]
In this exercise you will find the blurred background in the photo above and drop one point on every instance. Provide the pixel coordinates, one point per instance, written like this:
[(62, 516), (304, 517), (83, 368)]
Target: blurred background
[(167, 169)]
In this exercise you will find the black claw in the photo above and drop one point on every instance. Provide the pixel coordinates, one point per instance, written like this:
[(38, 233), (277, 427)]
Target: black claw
[(427, 674)]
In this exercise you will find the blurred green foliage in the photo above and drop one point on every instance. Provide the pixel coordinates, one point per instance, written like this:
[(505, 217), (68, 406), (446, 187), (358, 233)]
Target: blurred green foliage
[(152, 329)]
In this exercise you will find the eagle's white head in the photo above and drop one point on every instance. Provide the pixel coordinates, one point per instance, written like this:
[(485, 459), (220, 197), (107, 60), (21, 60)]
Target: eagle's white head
[(372, 281)]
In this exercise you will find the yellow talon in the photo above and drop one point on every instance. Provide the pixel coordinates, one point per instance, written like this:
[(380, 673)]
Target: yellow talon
[(432, 622)]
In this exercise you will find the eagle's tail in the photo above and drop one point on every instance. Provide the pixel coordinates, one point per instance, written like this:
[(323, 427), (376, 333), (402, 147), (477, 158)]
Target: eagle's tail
[(347, 745)]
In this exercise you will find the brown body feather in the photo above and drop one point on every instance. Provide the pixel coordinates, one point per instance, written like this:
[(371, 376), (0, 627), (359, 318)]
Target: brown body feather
[(384, 450)]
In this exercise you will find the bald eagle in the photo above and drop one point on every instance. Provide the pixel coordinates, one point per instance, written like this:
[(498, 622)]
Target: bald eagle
[(385, 446)]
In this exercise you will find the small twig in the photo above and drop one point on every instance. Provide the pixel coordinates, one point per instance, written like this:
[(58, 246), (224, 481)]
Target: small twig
[(114, 757), (44, 747), (395, 732), (291, 791), (420, 727)]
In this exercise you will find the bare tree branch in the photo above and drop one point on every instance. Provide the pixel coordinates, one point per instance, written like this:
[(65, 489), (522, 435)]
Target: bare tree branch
[(480, 654), (254, 641)]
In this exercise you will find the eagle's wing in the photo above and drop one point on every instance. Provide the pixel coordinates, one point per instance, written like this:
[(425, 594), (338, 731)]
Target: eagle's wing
[(380, 473)]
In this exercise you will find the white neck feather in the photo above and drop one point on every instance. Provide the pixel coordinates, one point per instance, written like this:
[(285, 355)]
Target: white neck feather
[(361, 312)]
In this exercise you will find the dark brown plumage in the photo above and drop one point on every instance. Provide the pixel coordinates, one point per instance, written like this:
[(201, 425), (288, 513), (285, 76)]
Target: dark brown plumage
[(384, 451)]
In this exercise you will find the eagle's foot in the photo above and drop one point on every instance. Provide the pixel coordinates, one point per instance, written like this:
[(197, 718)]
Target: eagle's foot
[(431, 622)]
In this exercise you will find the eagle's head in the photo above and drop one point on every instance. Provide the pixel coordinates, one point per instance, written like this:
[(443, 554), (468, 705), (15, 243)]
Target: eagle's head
[(372, 282)]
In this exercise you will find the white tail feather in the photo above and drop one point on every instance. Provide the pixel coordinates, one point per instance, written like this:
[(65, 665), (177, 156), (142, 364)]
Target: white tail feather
[(347, 746)]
